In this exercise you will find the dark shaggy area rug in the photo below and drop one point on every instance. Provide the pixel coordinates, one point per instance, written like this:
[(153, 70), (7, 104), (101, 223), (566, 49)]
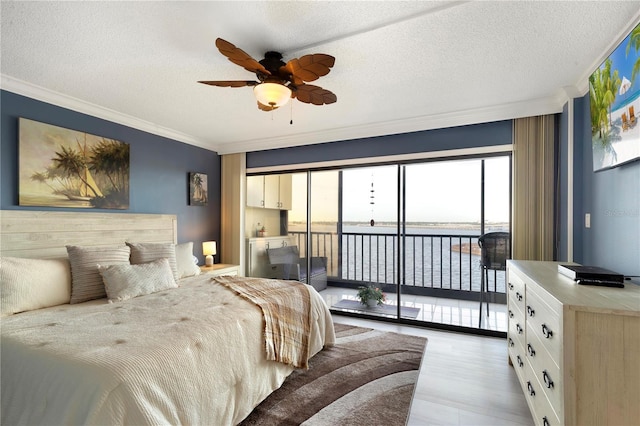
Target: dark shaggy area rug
[(366, 378)]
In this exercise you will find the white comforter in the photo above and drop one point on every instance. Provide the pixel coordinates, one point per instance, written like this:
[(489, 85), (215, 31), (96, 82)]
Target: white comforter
[(192, 355)]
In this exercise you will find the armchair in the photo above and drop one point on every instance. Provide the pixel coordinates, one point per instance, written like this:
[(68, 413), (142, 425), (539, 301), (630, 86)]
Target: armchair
[(285, 264)]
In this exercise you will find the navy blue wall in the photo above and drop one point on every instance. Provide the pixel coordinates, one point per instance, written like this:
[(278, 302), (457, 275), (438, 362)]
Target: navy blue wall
[(159, 167), (472, 136), (613, 199)]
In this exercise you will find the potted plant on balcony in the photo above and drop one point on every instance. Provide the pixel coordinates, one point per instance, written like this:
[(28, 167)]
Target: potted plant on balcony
[(371, 296)]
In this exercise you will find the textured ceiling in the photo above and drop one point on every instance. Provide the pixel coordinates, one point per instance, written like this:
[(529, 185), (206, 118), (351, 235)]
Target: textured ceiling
[(400, 66)]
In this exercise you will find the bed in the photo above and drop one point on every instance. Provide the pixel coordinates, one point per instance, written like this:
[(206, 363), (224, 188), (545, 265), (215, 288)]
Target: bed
[(187, 354)]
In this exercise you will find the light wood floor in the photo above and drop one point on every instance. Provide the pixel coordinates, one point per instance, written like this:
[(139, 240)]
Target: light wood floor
[(464, 379)]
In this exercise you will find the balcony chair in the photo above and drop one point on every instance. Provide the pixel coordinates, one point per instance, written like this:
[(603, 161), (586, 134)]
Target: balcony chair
[(285, 263), (495, 250)]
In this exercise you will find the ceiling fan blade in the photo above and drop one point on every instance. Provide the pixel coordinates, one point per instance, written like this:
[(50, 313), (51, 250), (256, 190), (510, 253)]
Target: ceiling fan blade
[(240, 57), (230, 83), (310, 67), (310, 94), (263, 107)]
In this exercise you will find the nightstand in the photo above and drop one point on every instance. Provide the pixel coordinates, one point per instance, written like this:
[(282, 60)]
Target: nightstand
[(219, 269)]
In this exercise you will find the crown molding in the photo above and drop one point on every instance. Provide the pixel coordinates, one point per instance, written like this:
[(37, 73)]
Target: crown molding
[(40, 93), (550, 105)]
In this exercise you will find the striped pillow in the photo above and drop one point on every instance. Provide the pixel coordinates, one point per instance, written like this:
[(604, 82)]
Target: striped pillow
[(86, 282), (148, 252)]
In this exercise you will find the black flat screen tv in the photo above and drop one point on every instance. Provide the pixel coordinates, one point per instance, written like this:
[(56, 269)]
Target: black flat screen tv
[(614, 95)]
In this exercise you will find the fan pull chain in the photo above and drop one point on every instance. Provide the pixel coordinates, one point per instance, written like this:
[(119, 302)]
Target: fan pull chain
[(291, 113)]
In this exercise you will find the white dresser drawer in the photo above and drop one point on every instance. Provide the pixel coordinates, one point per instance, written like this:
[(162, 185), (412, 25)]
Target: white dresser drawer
[(542, 411), (545, 324), (518, 359), (545, 370), (516, 289), (517, 327)]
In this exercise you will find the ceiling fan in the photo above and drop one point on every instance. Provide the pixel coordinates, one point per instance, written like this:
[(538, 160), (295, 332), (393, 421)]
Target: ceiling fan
[(279, 81)]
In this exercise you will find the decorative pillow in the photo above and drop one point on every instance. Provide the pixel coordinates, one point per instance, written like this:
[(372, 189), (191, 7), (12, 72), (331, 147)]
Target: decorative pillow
[(184, 259), (28, 284), (148, 252), (86, 282), (128, 281)]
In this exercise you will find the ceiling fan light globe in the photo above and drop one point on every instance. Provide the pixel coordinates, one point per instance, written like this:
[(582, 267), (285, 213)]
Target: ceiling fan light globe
[(272, 94)]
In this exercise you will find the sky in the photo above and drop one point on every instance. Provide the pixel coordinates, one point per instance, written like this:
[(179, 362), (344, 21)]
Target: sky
[(443, 191), (624, 64)]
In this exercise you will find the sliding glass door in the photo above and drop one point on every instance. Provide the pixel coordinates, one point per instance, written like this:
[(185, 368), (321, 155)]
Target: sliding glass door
[(410, 230), (369, 237)]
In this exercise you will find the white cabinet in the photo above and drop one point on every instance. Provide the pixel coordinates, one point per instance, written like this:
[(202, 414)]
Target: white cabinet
[(257, 260), (270, 191), (574, 348)]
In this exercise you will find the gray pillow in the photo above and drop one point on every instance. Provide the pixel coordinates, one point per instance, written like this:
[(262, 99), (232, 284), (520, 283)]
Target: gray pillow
[(148, 252), (124, 282), (86, 282)]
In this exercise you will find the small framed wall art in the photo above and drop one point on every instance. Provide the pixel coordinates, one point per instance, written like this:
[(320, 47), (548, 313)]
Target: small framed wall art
[(198, 193)]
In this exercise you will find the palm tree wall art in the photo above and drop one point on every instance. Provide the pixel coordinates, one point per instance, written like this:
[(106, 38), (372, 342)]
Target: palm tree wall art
[(61, 167), (614, 100), (198, 194)]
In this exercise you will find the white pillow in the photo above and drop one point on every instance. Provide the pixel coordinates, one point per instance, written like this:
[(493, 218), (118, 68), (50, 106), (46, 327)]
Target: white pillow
[(86, 282), (124, 282), (184, 258), (28, 284), (148, 252)]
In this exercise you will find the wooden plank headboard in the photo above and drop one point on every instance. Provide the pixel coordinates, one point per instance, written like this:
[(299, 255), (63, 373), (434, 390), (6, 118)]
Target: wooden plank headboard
[(44, 234)]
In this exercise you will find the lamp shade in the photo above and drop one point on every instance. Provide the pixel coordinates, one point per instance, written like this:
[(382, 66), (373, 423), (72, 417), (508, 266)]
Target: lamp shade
[(272, 94), (209, 250)]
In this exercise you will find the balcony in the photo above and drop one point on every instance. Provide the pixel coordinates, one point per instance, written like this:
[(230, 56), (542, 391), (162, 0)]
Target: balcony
[(441, 274)]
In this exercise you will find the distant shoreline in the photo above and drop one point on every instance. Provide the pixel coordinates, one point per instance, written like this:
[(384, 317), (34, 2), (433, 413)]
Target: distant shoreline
[(467, 248)]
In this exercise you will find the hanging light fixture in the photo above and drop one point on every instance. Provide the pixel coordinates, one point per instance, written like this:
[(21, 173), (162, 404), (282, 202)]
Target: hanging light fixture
[(272, 94)]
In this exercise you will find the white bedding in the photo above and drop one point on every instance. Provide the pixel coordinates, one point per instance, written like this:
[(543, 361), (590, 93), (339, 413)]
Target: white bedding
[(191, 355)]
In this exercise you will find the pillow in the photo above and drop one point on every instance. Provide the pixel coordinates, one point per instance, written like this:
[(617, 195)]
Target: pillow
[(185, 260), (28, 284), (86, 282), (124, 282), (148, 252)]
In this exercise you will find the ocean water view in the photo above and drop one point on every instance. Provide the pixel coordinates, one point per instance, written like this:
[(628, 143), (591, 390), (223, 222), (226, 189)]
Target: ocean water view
[(438, 256)]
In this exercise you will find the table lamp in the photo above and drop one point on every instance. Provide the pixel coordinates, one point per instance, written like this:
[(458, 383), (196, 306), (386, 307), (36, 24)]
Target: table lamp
[(209, 250)]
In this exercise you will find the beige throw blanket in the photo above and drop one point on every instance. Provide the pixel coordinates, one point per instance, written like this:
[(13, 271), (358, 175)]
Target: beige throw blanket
[(286, 310)]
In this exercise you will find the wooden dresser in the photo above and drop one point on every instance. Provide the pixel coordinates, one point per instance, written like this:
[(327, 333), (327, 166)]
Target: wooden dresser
[(575, 348)]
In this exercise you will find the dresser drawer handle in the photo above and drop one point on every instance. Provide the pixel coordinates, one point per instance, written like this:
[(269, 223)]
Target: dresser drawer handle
[(545, 421), (511, 343), (520, 363), (547, 379), (530, 349), (532, 392), (510, 314), (546, 331), (531, 311), (518, 296), (519, 329)]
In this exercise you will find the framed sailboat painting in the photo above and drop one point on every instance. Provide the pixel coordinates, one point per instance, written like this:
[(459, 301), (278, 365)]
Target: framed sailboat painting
[(61, 167)]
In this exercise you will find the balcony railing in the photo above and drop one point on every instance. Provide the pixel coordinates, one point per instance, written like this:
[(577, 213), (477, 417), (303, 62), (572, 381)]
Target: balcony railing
[(434, 264)]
